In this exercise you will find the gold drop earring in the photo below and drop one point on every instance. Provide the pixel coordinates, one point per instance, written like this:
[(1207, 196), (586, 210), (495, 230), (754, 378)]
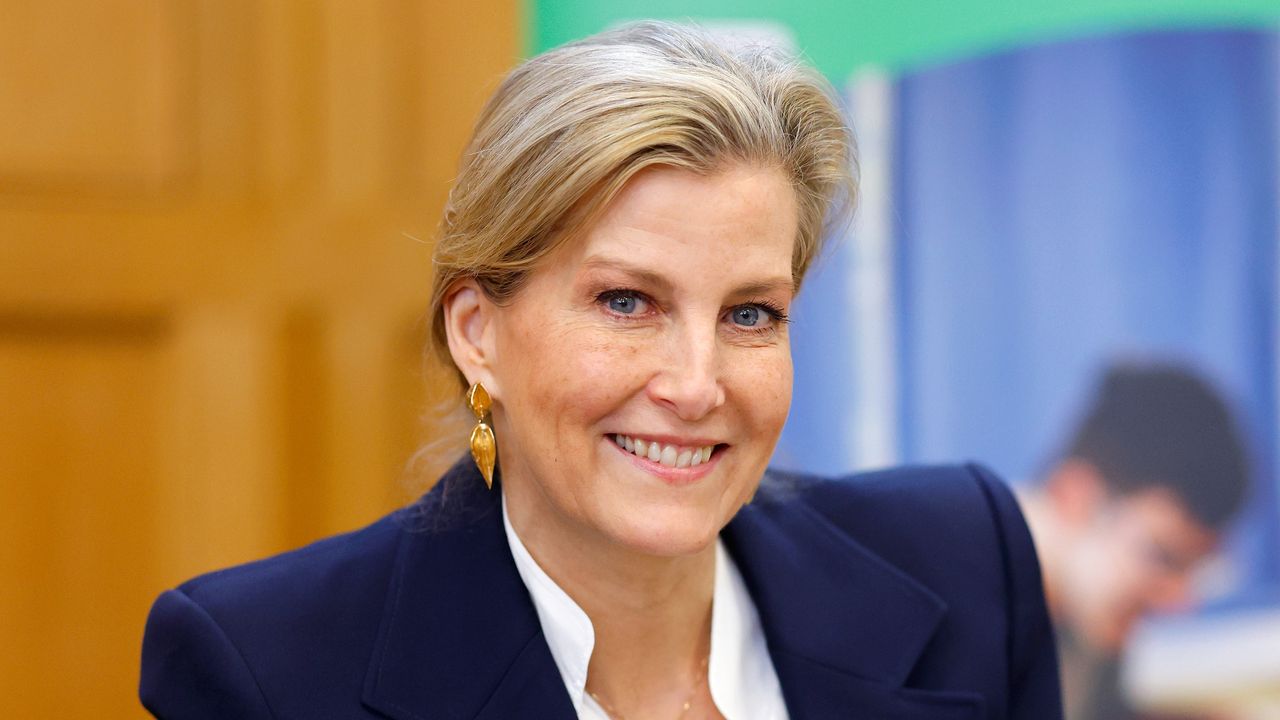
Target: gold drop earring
[(484, 449)]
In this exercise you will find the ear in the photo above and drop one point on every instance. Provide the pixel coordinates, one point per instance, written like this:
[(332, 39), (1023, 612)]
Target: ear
[(468, 323), (1078, 492)]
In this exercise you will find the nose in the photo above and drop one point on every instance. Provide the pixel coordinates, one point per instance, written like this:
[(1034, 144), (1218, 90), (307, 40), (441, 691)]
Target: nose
[(689, 381), (1173, 593)]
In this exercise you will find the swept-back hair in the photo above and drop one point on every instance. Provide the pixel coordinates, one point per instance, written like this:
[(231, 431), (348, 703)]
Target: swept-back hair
[(567, 129)]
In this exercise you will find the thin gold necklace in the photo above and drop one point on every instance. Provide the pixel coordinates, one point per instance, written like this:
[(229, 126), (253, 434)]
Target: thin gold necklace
[(688, 702)]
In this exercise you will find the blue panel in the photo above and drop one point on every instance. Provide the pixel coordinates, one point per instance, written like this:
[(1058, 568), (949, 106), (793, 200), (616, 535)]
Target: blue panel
[(1065, 205), (818, 434)]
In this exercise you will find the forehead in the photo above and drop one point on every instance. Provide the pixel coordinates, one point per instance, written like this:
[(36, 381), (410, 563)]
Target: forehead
[(1165, 517), (738, 222)]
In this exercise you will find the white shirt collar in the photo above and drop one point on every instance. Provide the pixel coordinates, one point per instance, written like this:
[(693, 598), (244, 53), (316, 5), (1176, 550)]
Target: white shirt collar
[(739, 672)]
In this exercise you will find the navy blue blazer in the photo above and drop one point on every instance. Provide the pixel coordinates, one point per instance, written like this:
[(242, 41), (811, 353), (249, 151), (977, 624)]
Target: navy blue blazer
[(900, 595)]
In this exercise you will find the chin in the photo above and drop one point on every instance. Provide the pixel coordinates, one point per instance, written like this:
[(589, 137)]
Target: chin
[(1110, 637), (668, 532), (664, 511)]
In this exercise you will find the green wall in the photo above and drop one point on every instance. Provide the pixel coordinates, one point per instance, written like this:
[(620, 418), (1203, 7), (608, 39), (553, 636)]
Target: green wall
[(841, 36)]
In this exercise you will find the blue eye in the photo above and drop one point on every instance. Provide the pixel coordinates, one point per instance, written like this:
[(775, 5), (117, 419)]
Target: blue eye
[(747, 315), (624, 302), (760, 316)]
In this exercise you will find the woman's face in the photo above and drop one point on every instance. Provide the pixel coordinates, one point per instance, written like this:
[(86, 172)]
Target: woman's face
[(656, 337)]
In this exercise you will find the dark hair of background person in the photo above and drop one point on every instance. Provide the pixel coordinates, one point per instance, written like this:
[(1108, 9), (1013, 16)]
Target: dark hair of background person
[(1161, 425)]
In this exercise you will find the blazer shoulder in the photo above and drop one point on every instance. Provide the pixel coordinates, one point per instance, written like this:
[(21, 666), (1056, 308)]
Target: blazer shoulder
[(310, 572), (957, 530), (924, 500), (951, 526), (318, 574), (279, 636)]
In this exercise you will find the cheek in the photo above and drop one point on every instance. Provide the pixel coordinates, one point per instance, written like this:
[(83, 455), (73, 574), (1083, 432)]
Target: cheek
[(573, 369), (1123, 573), (775, 389), (761, 385), (782, 383)]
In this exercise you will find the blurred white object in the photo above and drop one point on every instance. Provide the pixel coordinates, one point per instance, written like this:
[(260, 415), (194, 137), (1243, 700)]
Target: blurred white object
[(870, 94), (1227, 663)]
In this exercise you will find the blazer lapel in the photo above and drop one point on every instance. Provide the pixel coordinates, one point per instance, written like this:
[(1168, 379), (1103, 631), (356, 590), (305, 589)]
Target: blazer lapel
[(459, 636), (844, 627)]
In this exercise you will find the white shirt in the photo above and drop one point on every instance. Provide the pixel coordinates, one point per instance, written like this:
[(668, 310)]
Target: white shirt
[(740, 672)]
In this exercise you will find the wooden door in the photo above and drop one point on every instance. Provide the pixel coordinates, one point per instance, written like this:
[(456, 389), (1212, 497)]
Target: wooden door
[(215, 219)]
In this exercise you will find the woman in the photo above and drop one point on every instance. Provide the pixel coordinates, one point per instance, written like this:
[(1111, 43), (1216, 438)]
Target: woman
[(628, 230)]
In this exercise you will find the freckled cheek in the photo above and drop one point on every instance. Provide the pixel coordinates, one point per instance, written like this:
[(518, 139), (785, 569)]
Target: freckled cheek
[(583, 377), (779, 406), (764, 386)]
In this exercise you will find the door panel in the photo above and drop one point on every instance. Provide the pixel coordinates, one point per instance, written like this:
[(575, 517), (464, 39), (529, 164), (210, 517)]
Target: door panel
[(215, 224)]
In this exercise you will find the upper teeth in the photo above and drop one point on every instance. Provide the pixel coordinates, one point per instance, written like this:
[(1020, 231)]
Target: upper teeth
[(670, 455)]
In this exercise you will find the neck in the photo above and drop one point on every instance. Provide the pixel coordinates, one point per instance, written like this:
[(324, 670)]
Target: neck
[(651, 615), (1047, 533)]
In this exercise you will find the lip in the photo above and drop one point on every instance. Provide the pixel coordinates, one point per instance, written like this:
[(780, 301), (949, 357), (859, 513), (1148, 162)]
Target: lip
[(670, 475)]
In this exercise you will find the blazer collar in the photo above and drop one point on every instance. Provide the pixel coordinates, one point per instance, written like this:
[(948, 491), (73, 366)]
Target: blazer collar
[(460, 637), (845, 628)]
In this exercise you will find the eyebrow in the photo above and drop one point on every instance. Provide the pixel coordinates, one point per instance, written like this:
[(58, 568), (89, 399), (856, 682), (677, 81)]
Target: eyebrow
[(653, 279)]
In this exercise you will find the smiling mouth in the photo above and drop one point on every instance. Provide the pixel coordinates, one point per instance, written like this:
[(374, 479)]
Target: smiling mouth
[(676, 456)]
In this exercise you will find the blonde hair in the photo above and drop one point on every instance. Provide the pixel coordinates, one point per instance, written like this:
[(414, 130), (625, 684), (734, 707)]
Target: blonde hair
[(566, 130)]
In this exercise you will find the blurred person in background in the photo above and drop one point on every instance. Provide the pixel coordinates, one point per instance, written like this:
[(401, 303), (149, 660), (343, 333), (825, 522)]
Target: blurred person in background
[(1137, 502)]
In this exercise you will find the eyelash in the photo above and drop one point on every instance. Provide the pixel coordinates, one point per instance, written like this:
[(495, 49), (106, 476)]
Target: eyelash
[(770, 308)]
